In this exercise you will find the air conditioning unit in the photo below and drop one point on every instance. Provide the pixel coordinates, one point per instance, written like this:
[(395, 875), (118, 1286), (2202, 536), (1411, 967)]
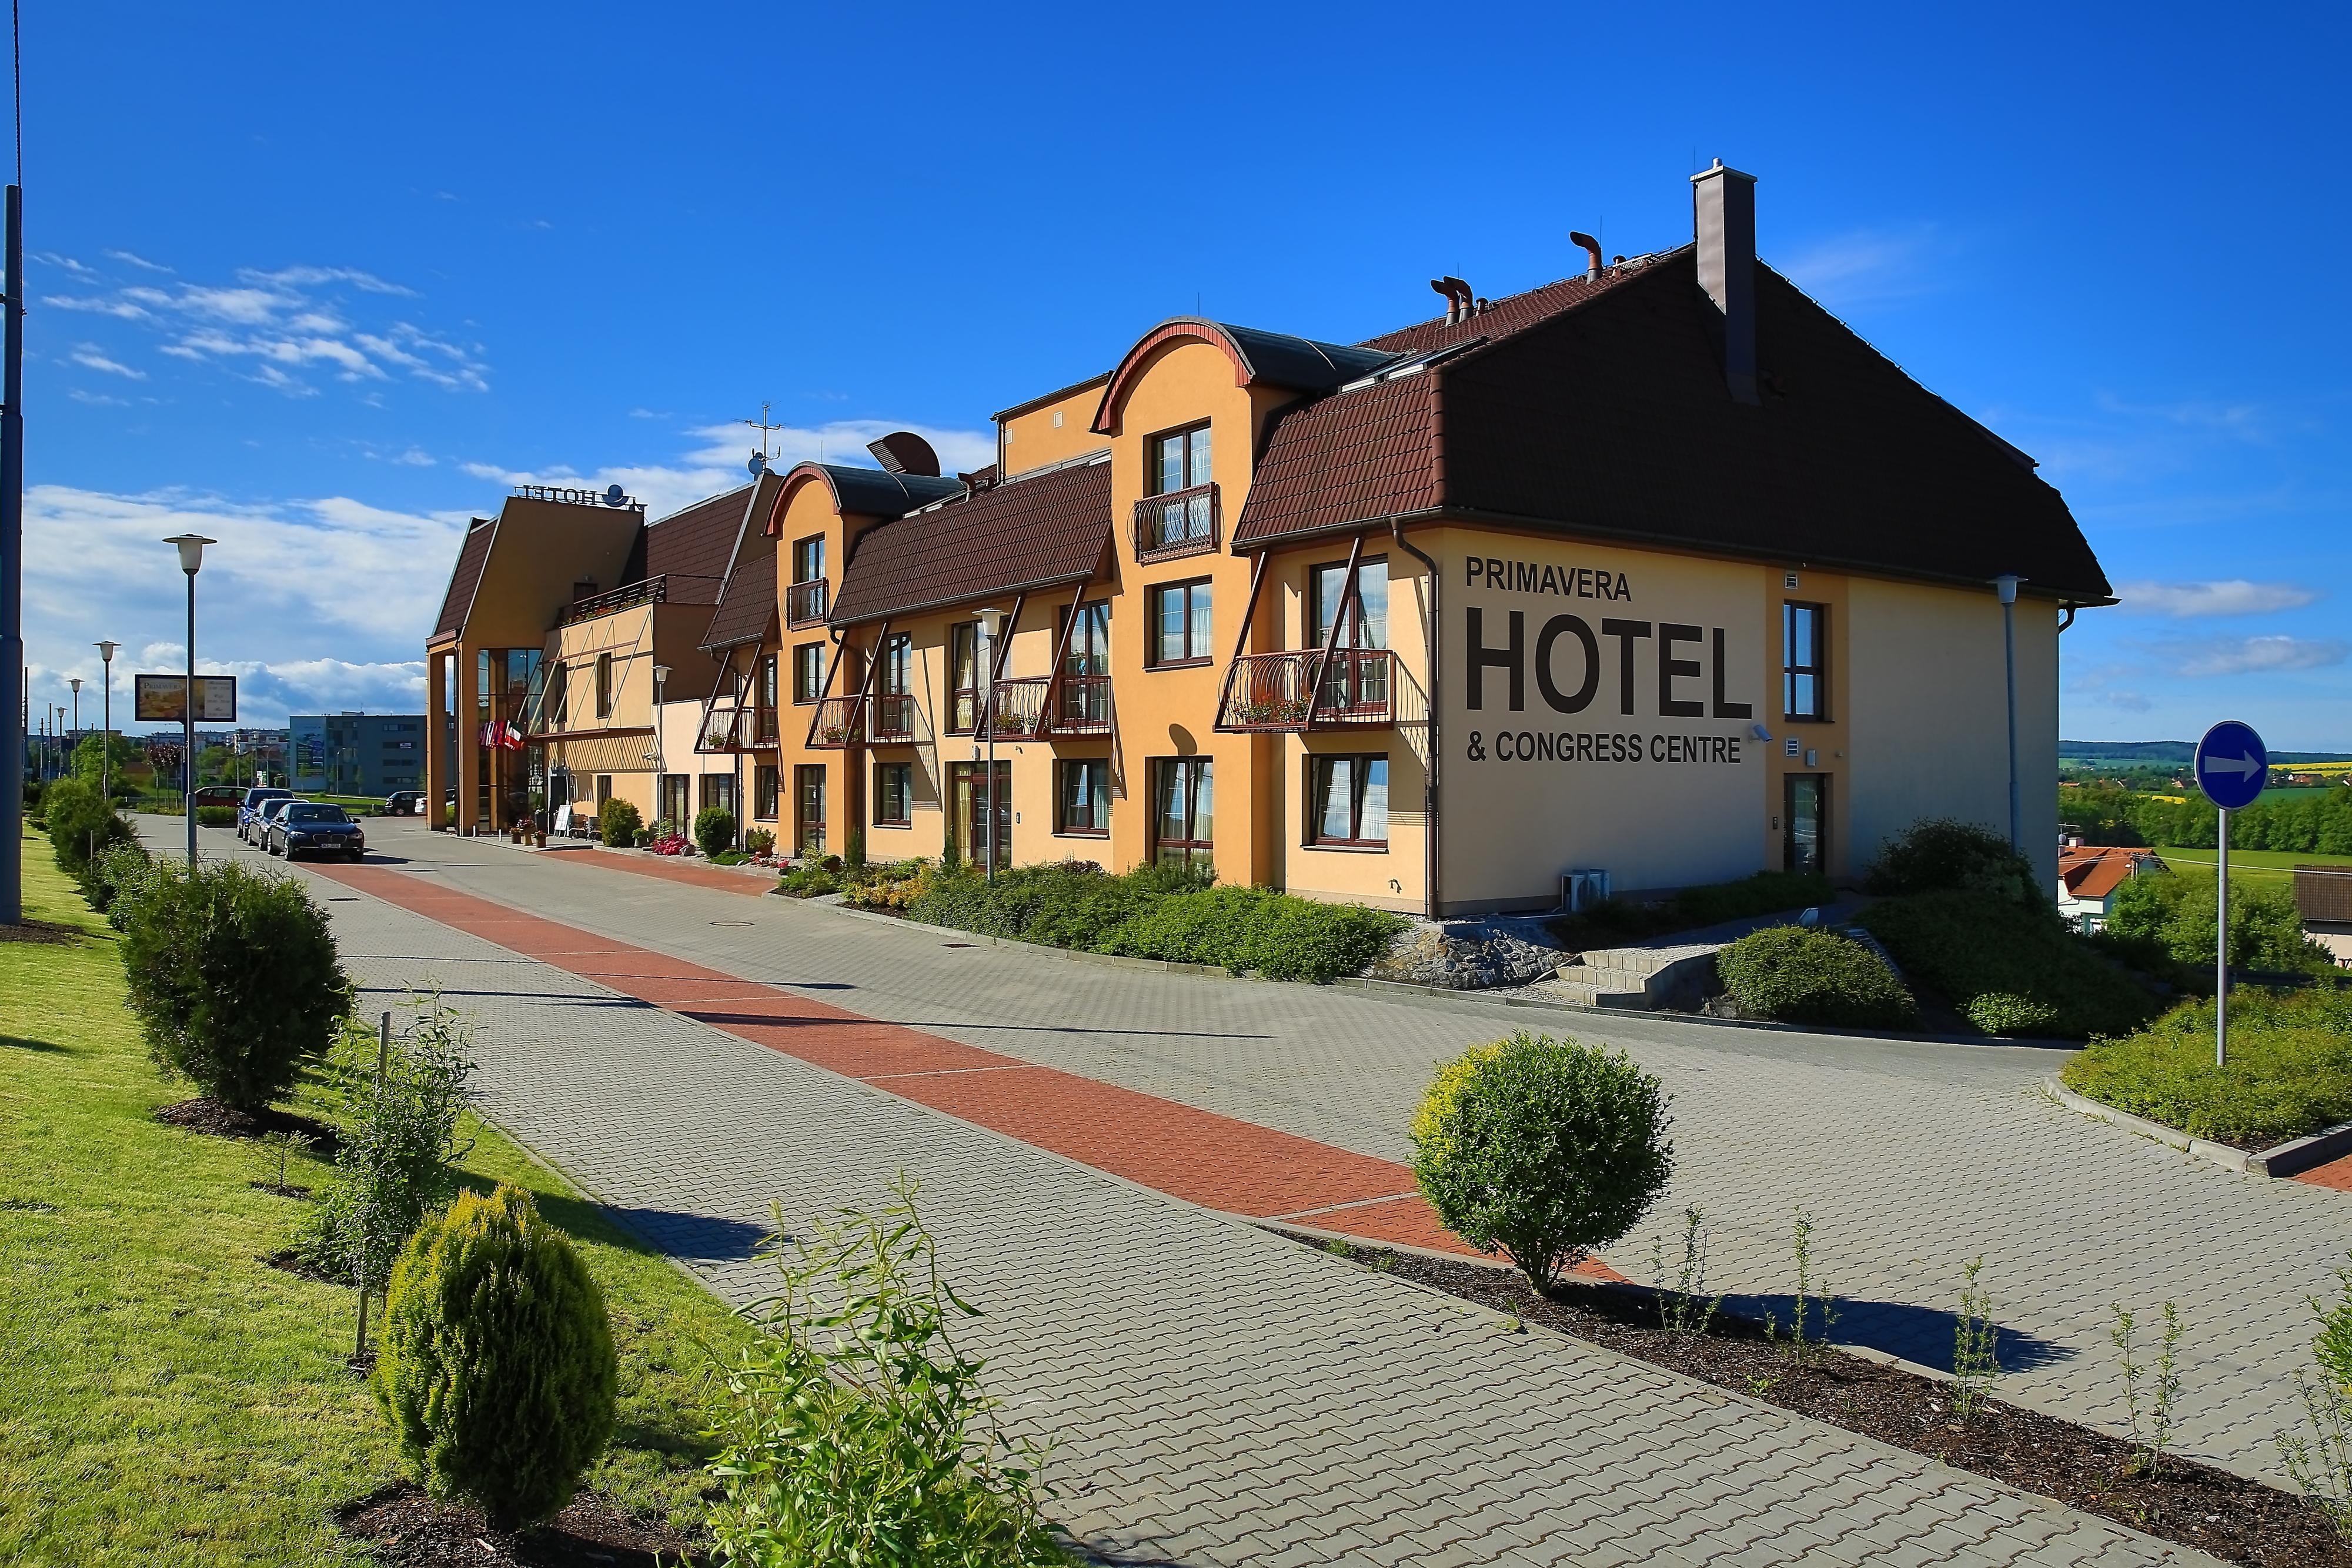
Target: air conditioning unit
[(1580, 890)]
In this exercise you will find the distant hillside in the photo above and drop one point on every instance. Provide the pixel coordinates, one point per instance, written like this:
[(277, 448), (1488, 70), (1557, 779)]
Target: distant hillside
[(2178, 751)]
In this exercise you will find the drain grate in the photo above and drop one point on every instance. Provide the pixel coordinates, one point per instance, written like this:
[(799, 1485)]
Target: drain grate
[(955, 943), (730, 923)]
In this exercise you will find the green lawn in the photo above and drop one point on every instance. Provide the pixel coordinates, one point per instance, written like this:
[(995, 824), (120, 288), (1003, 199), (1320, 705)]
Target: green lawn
[(164, 1396), (2263, 865)]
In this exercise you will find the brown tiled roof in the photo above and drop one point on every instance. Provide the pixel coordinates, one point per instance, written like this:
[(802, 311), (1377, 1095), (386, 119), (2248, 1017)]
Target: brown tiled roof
[(2095, 873), (1607, 418), (2323, 892), (1049, 526), (747, 604), (690, 547), (1503, 316), (464, 579)]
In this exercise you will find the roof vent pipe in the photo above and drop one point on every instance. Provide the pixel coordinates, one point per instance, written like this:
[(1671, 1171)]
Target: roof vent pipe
[(1457, 297), (1723, 216), (1592, 249)]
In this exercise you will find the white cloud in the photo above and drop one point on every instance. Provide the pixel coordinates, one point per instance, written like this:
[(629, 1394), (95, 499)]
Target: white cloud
[(280, 319), (90, 356), (2233, 596), (138, 261), (2248, 656), (96, 399), (54, 258), (310, 589), (1864, 267), (645, 414)]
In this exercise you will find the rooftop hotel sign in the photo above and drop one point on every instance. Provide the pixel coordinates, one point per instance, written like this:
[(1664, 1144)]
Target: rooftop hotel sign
[(1597, 706)]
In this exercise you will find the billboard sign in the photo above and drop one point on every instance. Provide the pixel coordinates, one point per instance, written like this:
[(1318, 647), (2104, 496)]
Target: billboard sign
[(163, 699)]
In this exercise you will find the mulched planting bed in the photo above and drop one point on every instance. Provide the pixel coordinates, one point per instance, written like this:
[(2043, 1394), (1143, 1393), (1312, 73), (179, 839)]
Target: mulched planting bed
[(210, 1117), (29, 930), (2233, 1517), (289, 1261), (408, 1530), (288, 1189)]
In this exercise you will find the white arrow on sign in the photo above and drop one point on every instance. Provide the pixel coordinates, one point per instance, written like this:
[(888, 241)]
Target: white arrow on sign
[(2243, 767)]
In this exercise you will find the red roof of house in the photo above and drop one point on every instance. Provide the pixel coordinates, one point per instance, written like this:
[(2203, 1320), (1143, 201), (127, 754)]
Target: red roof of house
[(1599, 411), (464, 579), (2096, 871)]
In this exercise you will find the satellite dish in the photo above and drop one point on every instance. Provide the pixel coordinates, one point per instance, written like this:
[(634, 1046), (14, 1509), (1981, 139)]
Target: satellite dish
[(759, 464), (615, 496)]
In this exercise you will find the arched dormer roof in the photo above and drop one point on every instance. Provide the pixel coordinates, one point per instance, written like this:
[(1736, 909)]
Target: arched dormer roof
[(864, 492), (1260, 358)]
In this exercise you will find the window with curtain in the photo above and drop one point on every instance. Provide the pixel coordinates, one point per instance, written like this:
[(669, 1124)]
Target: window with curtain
[(963, 677), (763, 791), (1082, 802), (1180, 623), (893, 794), (1348, 797), (1183, 810)]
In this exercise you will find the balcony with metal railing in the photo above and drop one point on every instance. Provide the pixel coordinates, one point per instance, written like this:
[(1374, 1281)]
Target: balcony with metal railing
[(652, 590), (891, 719), (730, 728), (807, 603), (837, 724), (1078, 705), (1280, 691), (1180, 523)]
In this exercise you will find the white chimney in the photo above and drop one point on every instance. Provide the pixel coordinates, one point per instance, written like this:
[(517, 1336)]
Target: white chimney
[(1723, 215)]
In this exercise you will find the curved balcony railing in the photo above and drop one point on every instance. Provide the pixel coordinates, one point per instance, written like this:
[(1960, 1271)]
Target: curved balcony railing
[(1081, 705), (805, 602), (1016, 710), (1277, 691), (1181, 522), (737, 729), (837, 723), (652, 590)]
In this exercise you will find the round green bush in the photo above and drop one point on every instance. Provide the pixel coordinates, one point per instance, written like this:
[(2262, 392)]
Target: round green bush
[(233, 978), (618, 823), (1795, 975), (714, 830), (497, 1365), (1541, 1149), (114, 879), (1942, 854), (81, 824), (2005, 1012)]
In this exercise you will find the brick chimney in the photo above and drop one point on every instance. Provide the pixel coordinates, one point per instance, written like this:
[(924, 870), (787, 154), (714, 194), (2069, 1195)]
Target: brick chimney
[(1723, 218)]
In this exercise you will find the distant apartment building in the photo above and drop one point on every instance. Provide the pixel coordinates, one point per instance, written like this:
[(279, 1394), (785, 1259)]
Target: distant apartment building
[(356, 753)]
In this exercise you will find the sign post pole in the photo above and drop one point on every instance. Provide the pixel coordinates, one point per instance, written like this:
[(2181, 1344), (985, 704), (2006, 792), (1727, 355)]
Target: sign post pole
[(2221, 956), (2231, 767)]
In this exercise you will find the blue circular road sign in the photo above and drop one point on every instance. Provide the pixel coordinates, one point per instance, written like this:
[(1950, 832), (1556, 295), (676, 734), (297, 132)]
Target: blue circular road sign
[(2231, 764)]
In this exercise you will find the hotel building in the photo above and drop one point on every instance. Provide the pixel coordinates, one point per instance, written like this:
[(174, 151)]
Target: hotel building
[(1659, 571)]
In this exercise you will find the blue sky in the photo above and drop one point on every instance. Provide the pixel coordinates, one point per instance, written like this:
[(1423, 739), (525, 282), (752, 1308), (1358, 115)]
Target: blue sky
[(321, 282)]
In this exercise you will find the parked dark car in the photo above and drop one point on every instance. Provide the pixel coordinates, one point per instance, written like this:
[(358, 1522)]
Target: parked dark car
[(405, 803), (248, 810), (310, 827), (263, 815)]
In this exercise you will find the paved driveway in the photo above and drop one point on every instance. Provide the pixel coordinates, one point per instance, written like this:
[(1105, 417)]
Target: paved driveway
[(1912, 1158)]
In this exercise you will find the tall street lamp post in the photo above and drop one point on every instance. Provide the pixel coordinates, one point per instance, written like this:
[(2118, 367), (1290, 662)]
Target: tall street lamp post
[(661, 761), (192, 560), (105, 742), (74, 681)]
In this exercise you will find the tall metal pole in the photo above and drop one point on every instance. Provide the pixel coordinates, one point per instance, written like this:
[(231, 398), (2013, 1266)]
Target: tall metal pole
[(188, 724), (12, 567), (2221, 952), (105, 744), (988, 711)]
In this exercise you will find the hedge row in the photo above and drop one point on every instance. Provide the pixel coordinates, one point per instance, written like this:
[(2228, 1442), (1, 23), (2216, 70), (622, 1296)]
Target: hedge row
[(2289, 1075), (2008, 969)]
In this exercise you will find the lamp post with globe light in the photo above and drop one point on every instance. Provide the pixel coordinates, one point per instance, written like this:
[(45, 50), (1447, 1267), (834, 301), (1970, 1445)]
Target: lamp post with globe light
[(192, 559), (106, 742)]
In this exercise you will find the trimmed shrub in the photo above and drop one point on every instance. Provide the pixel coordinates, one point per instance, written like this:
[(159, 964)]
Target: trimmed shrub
[(618, 823), (217, 816), (1796, 975), (114, 880), (233, 978), (2290, 1072), (714, 830), (79, 824), (1256, 929), (2176, 916), (496, 1365), (1941, 855), (807, 882), (1541, 1149), (1968, 946), (2003, 1012)]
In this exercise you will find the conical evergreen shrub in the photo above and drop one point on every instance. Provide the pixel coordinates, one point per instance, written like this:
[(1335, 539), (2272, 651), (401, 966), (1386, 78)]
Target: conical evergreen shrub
[(495, 1364)]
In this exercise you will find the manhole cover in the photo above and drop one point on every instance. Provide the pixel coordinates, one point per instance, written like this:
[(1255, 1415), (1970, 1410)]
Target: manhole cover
[(955, 943), (730, 923)]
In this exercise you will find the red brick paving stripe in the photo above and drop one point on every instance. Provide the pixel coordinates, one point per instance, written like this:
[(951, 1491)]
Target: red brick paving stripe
[(2336, 1175), (1215, 1161)]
